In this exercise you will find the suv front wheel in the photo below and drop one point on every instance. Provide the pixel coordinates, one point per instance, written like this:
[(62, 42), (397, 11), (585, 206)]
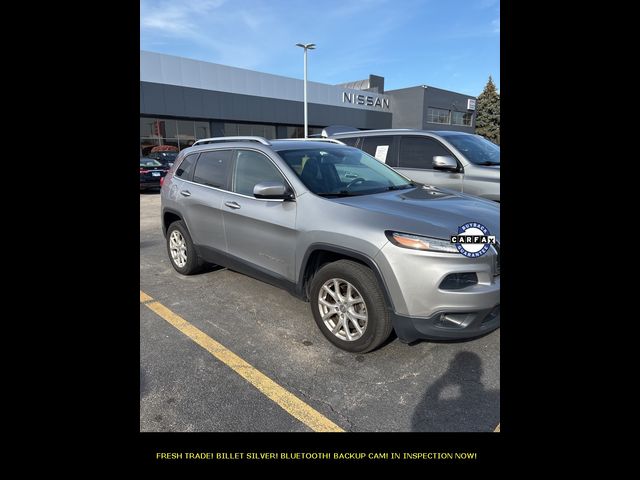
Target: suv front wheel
[(348, 306), (182, 253)]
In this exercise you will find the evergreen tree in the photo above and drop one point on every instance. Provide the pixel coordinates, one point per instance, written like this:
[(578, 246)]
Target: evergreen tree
[(488, 113)]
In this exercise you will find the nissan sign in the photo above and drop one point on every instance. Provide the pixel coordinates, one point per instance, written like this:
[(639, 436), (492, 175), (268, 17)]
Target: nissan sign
[(471, 104), (369, 100)]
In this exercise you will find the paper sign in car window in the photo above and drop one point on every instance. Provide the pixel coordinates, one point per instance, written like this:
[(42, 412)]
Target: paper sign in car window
[(381, 153)]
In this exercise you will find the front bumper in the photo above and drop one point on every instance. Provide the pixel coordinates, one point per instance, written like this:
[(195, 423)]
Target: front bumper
[(446, 325), (422, 309)]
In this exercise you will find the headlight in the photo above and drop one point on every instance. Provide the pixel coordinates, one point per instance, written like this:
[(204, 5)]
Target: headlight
[(416, 242)]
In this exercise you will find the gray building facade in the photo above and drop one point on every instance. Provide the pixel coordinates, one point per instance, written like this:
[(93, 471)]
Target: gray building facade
[(430, 108), (182, 100)]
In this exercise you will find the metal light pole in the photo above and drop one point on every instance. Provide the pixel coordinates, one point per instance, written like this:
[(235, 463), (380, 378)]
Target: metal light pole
[(306, 46)]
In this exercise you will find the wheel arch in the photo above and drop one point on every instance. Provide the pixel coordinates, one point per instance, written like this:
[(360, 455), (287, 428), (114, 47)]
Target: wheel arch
[(168, 217), (319, 254)]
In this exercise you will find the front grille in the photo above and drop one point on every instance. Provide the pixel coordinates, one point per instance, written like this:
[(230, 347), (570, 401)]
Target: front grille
[(496, 247)]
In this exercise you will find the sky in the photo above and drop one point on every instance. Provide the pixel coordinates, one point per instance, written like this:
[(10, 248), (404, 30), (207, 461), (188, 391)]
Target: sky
[(449, 44)]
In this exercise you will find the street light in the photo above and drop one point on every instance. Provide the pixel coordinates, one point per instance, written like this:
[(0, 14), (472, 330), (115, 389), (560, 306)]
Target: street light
[(306, 46)]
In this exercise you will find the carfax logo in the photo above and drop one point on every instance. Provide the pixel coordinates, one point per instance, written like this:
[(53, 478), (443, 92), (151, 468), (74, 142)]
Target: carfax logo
[(473, 239)]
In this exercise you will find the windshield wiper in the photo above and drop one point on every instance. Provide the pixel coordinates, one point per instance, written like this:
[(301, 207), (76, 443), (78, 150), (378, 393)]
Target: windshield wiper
[(342, 193), (489, 162), (401, 187), (355, 193)]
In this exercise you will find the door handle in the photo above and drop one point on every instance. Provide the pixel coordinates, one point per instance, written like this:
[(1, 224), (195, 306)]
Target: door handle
[(185, 193), (234, 205)]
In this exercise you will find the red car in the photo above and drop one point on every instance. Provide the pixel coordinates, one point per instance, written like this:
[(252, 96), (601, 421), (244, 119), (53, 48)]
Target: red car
[(151, 173)]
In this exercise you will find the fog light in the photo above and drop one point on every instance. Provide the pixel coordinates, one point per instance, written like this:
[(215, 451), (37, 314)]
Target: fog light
[(456, 281)]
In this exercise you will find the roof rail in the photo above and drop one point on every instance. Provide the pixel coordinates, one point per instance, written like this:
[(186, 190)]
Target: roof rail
[(378, 130), (261, 140), (330, 140)]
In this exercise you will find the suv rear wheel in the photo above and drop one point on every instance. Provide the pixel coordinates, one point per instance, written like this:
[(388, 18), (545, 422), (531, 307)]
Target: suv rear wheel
[(348, 306), (181, 250)]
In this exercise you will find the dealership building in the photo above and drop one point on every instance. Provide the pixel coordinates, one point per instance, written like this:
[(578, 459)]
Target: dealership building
[(182, 100)]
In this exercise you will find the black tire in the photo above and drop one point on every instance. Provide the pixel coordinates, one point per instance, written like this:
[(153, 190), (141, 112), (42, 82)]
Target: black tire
[(363, 279), (194, 263)]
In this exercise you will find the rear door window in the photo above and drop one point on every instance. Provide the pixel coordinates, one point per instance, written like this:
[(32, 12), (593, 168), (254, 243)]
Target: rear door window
[(213, 168), (418, 152), (379, 147)]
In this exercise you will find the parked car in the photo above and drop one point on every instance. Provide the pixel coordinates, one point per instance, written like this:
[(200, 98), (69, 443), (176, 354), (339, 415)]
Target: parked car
[(461, 161), (368, 248), (166, 158), (151, 173)]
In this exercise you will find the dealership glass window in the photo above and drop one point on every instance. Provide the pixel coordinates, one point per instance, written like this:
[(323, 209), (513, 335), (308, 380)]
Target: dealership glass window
[(418, 152), (146, 144), (212, 168), (249, 129), (266, 131), (186, 166), (169, 127), (170, 141), (461, 118), (146, 126), (298, 132), (157, 127), (178, 133), (295, 132), (185, 143), (437, 115), (244, 129), (185, 129), (230, 129), (251, 169), (202, 130), (269, 131)]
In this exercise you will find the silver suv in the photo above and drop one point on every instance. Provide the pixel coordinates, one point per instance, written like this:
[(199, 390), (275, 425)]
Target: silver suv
[(457, 160), (370, 250)]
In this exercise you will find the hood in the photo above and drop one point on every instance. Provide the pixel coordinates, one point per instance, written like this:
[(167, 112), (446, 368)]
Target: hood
[(428, 210)]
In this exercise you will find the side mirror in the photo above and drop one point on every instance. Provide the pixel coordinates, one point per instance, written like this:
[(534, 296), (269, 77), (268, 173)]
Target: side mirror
[(272, 190), (445, 162)]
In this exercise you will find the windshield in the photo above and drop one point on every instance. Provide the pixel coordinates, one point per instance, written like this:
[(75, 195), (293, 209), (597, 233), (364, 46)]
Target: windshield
[(168, 155), (149, 162), (342, 171), (477, 149)]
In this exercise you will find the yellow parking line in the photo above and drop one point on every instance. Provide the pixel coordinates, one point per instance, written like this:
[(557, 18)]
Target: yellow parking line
[(497, 428), (286, 400), (144, 297)]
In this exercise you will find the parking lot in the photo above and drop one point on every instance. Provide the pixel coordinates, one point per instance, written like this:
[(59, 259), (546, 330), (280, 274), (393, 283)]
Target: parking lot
[(200, 385)]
